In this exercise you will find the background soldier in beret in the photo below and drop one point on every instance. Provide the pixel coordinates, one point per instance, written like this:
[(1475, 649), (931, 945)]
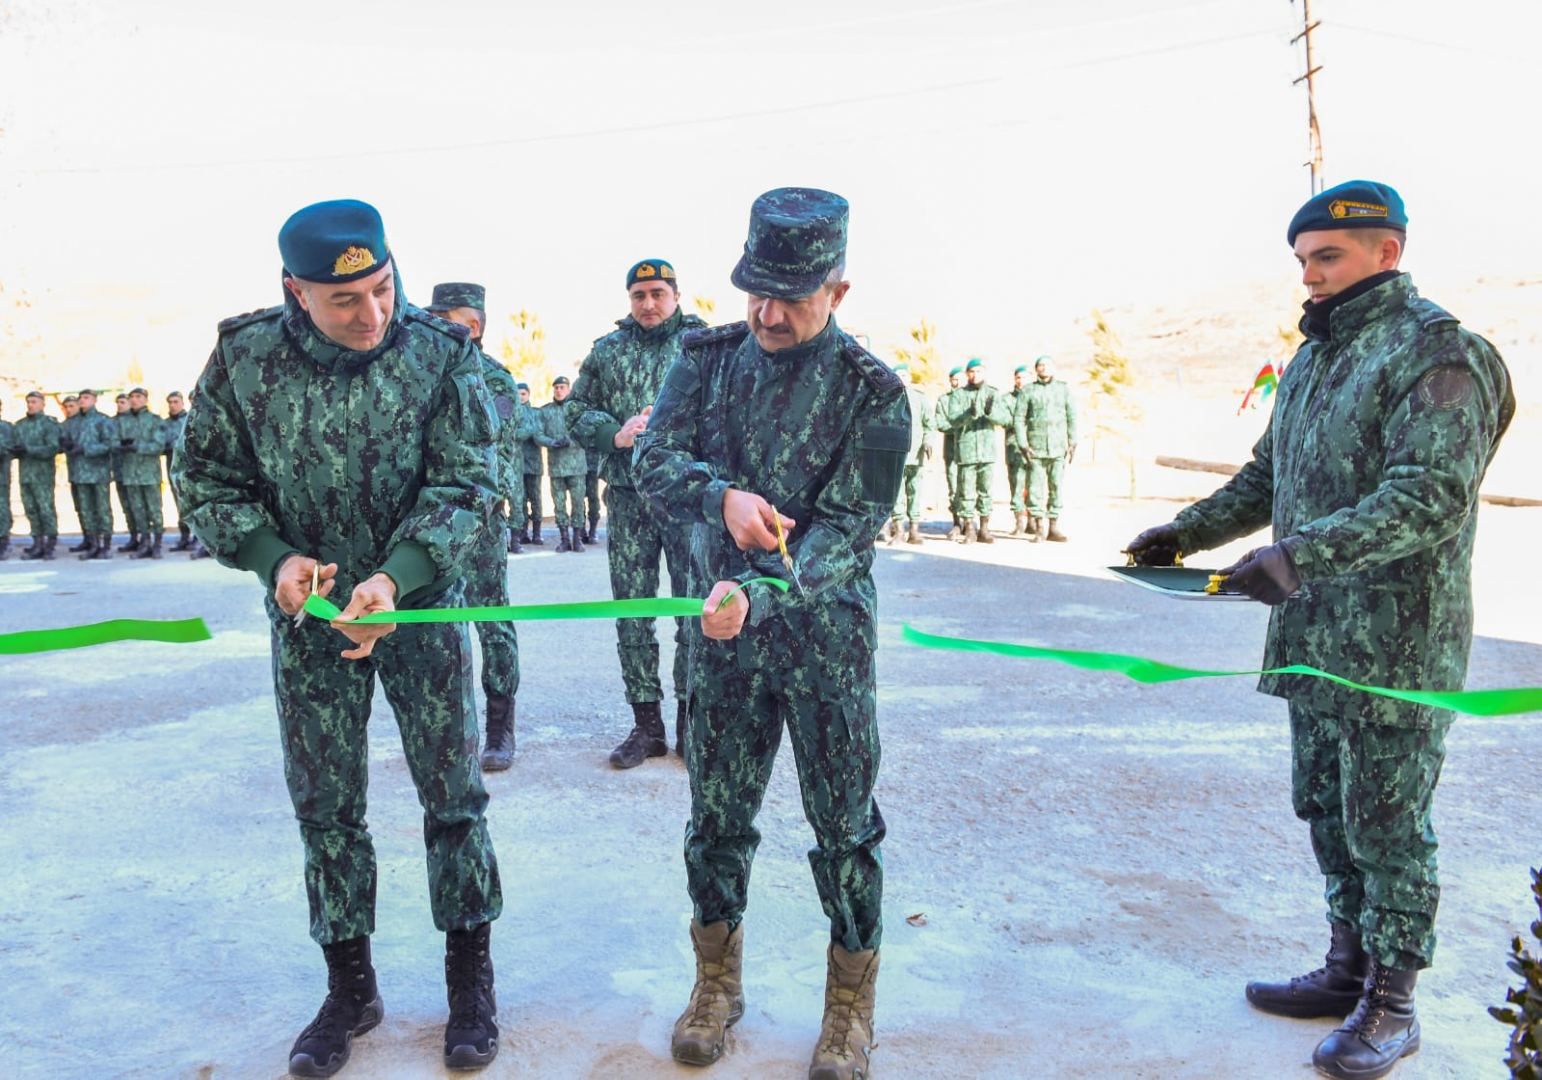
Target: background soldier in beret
[(950, 449), (616, 388), (142, 440), (782, 421), (973, 412), (130, 521), (907, 505), (89, 438), (349, 437), (1383, 425), (530, 511), (171, 431), (37, 445), (70, 406), (487, 576), (1048, 437), (7, 451), (566, 463), (1017, 458)]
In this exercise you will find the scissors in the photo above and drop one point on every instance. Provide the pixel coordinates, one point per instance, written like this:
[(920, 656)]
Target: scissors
[(781, 545), (315, 582)]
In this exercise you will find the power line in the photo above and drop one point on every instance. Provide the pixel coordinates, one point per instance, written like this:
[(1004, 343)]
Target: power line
[(1394, 35)]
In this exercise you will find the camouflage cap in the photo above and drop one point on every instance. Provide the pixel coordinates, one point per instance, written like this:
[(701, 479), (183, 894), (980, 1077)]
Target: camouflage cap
[(458, 294), (332, 242), (797, 236), (1354, 204)]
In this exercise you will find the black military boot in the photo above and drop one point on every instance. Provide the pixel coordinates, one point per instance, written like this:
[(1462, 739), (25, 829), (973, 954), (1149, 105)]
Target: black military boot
[(103, 548), (515, 548), (564, 544), (498, 751), (184, 538), (48, 548), (535, 535), (578, 539), (645, 740), (33, 550), (984, 534), (593, 535), (133, 543), (471, 1035), (87, 541), (5, 548), (682, 724), (914, 536), (199, 551), (1054, 533), (1331, 990), (970, 534), (352, 1007), (149, 548), (1383, 1029)]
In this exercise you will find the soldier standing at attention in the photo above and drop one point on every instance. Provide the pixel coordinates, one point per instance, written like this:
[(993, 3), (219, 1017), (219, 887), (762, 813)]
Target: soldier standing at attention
[(350, 436), (973, 413), (1048, 436), (7, 451), (131, 522), (37, 447), (907, 505), (950, 450), (1383, 426), (1017, 457), (89, 438), (530, 511), (142, 439), (171, 431), (782, 422), (616, 388), (70, 404), (565, 464), (487, 575)]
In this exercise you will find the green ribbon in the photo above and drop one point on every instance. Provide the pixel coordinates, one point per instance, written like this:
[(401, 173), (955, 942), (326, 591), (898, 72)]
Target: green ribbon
[(1472, 702), (647, 607), (174, 631)]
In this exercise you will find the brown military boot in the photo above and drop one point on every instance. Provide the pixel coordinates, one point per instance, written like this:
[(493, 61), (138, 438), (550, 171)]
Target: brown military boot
[(1054, 532), (717, 999), (970, 534), (957, 530), (984, 533), (1040, 530), (1017, 525), (914, 536), (846, 1035)]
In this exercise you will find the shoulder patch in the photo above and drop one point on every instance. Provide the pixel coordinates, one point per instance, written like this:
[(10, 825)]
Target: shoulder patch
[(444, 326), (728, 333), (877, 374), (1446, 387), (235, 322)]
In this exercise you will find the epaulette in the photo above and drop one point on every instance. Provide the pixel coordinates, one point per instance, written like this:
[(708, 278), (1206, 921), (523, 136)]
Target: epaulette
[(878, 374), (729, 333), (444, 326), (235, 322)]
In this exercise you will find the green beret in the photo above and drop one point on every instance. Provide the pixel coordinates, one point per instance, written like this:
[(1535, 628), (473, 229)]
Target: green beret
[(1043, 358), (901, 366), (1020, 369), (139, 390), (1354, 204), (955, 371), (522, 386), (560, 380), (974, 362), (333, 242), (457, 294), (651, 270), (797, 236)]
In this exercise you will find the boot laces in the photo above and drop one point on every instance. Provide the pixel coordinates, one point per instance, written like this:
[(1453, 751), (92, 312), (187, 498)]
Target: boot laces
[(1373, 1006), (339, 1012), (463, 971), (841, 1018), (708, 993)]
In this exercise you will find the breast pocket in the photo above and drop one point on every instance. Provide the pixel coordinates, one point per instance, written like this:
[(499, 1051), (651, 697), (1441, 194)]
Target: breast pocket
[(883, 452)]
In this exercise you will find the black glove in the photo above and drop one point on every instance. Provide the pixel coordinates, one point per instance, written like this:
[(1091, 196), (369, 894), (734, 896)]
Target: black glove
[(68, 445), (1155, 547), (126, 443), (562, 443), (1266, 574)]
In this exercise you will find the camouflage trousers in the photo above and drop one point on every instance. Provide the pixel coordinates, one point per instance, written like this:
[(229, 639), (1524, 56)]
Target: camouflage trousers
[(592, 496), (130, 522), (972, 493), (176, 501), (94, 507), (1044, 475), (145, 499), (6, 523), (515, 497), (908, 503), (487, 585), (1017, 481), (950, 475), (1365, 791), (532, 510), (736, 725), (637, 542), (37, 502), (570, 509), (323, 711)]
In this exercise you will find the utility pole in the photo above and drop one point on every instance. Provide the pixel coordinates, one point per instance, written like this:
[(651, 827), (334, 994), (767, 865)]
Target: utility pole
[(1311, 97)]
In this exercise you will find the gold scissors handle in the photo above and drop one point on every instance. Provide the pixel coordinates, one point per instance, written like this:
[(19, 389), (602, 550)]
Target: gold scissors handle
[(315, 584), (781, 545)]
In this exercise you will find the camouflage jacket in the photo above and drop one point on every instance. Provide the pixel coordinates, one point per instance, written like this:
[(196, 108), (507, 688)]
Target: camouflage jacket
[(1047, 422), (88, 439), (1369, 472), (37, 444), (1017, 406), (377, 461), (621, 377), (821, 431), (569, 460), (141, 440), (171, 431), (7, 445), (505, 397), (973, 413), (529, 429), (921, 425)]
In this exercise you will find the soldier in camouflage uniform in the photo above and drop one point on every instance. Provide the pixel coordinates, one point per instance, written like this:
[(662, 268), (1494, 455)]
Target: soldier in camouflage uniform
[(88, 438), (171, 431), (566, 463), (950, 449), (131, 522), (487, 577), (1046, 430), (70, 406), (907, 506), (7, 452), (1017, 458), (350, 435), (37, 447), (142, 440), (1383, 426), (527, 519), (973, 413), (611, 401), (783, 420)]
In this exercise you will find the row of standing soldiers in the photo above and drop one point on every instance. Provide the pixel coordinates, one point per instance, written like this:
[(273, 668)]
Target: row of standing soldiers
[(573, 473), (1040, 422), (126, 450)]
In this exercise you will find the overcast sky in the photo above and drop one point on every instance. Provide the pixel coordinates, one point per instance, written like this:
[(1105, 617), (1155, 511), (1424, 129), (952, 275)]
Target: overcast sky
[(1009, 164)]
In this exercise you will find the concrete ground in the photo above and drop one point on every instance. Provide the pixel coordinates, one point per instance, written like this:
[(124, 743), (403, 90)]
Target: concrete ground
[(1081, 872)]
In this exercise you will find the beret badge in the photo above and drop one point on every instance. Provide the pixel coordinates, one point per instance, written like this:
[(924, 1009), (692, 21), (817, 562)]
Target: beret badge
[(352, 261)]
